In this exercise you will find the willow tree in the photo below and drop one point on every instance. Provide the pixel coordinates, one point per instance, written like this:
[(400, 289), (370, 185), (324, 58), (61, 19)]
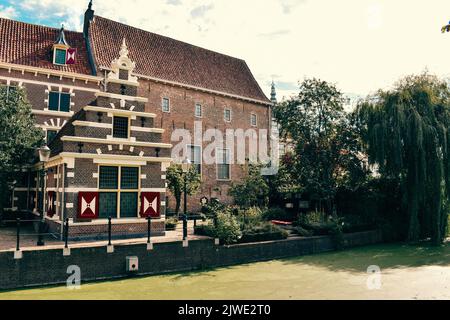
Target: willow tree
[(407, 135)]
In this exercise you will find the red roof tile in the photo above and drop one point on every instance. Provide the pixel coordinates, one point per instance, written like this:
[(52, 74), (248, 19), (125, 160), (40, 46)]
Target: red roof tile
[(172, 60), (31, 45)]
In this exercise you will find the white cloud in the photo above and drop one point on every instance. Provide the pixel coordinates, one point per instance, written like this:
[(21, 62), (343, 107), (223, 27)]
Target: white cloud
[(7, 12), (361, 45)]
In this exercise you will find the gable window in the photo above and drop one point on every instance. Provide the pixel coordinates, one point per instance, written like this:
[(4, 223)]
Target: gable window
[(194, 154), (120, 127), (223, 164), (60, 56), (253, 120), (59, 101), (227, 115), (119, 188), (50, 135), (198, 110), (165, 105)]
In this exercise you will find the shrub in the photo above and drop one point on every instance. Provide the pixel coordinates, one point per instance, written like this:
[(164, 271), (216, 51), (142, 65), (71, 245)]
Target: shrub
[(207, 230), (277, 214), (303, 232), (171, 223), (250, 216), (337, 233), (263, 232), (227, 229)]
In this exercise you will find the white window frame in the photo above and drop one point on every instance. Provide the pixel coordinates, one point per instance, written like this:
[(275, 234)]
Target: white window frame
[(224, 114), (162, 104), (201, 110), (54, 55), (217, 164), (251, 119)]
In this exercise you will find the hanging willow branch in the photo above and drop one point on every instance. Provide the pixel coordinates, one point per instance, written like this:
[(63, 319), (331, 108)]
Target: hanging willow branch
[(407, 135)]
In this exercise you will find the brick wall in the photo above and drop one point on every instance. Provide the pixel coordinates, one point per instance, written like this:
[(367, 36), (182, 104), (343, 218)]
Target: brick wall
[(46, 267), (181, 116)]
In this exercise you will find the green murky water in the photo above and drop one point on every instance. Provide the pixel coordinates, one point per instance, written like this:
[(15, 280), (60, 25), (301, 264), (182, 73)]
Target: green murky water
[(407, 272)]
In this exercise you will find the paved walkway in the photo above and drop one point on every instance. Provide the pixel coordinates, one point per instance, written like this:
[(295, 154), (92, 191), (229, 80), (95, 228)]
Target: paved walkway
[(28, 239)]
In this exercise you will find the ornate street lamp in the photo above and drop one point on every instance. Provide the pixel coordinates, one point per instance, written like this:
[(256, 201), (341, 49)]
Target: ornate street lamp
[(44, 156), (185, 166)]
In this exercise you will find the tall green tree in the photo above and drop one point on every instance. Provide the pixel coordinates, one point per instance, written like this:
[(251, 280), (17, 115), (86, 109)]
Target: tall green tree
[(252, 190), (19, 138), (326, 147), (176, 179), (407, 135)]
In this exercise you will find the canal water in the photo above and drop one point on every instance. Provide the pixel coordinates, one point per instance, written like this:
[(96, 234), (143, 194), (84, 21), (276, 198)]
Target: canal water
[(375, 272)]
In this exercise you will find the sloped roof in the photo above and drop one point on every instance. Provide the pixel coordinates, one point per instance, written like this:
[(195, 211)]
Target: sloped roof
[(164, 58), (31, 45)]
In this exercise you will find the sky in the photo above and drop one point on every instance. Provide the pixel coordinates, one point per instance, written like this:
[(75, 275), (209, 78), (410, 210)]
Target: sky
[(359, 45)]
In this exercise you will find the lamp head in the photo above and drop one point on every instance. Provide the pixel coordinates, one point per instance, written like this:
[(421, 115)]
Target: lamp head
[(44, 153), (186, 165)]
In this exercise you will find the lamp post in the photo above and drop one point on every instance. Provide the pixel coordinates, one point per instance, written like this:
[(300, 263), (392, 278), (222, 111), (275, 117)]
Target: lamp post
[(186, 165), (44, 155)]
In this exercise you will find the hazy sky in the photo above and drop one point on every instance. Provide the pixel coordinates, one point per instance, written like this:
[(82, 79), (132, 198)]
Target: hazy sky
[(361, 45)]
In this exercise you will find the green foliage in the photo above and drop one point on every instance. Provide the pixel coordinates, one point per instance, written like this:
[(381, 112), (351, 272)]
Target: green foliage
[(250, 216), (252, 191), (407, 135), (212, 208), (326, 147), (276, 214), (303, 232), (228, 229), (263, 232), (19, 137), (176, 179), (171, 223)]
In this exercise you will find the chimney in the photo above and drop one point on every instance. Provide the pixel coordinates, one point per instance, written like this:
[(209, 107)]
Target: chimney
[(88, 17)]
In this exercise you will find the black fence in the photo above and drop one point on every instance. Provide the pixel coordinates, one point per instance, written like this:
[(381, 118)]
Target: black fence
[(41, 233)]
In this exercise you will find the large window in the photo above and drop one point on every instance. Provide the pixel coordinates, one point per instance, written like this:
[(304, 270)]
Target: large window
[(119, 191), (59, 101), (223, 164), (165, 105), (120, 127), (195, 156)]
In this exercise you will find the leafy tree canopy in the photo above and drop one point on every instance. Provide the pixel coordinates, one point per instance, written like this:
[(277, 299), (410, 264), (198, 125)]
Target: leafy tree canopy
[(175, 182), (19, 137), (406, 134), (326, 148)]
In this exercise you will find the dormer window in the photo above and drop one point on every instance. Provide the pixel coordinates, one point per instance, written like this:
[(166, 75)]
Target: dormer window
[(63, 54), (60, 56)]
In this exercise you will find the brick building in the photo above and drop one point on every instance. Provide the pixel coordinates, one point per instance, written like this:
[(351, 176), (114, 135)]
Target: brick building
[(112, 96)]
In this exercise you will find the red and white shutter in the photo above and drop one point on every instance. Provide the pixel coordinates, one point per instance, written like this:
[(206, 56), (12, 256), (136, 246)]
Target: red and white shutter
[(150, 204), (51, 209), (71, 56), (88, 205)]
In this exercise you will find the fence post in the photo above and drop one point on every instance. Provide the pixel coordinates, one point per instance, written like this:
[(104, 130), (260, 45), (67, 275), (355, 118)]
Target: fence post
[(109, 230), (66, 232), (18, 235), (149, 228), (184, 227)]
